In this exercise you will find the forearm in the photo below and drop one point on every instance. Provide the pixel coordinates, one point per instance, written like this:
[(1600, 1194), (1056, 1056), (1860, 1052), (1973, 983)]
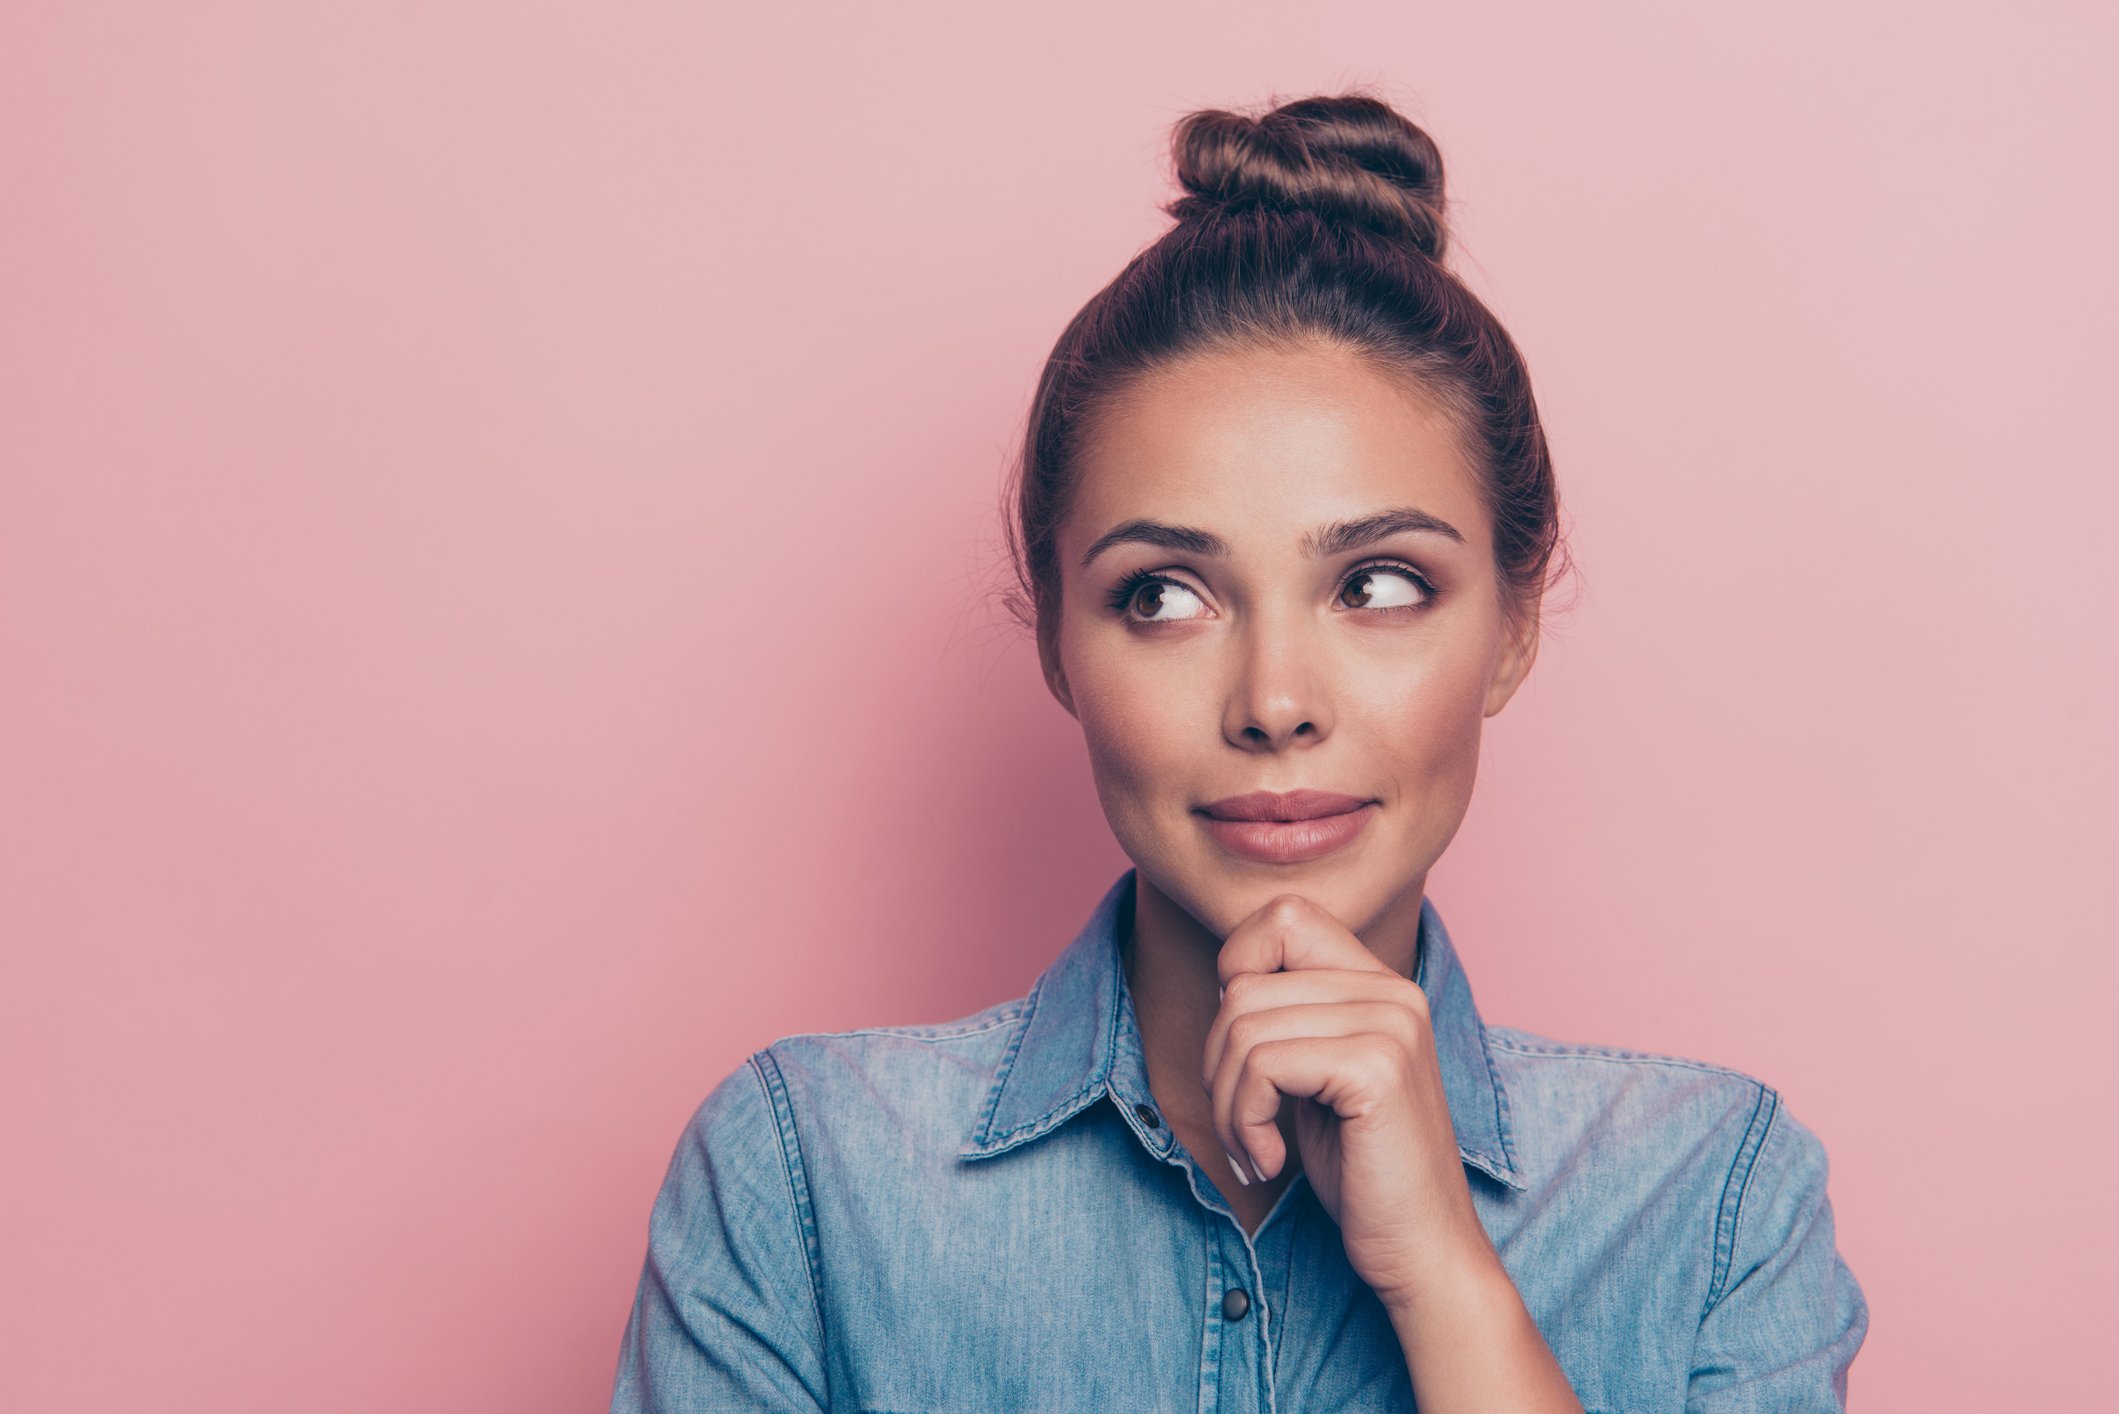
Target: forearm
[(1472, 1346)]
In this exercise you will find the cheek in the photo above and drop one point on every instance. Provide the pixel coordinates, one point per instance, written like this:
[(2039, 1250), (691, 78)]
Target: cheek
[(1427, 722), (1140, 714), (1135, 725)]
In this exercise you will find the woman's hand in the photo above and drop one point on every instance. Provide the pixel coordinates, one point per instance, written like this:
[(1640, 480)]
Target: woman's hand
[(1308, 1011)]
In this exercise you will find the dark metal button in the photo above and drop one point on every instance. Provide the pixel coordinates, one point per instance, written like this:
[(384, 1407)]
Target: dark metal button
[(1148, 1116), (1235, 1303)]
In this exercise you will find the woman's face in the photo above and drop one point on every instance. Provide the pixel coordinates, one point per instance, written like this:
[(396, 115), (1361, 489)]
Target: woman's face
[(1257, 660)]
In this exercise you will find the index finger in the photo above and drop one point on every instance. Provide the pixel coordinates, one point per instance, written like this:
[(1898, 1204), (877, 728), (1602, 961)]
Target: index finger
[(1290, 932)]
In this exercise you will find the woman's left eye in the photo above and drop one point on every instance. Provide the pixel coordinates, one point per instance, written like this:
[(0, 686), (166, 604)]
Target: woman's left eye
[(1369, 578)]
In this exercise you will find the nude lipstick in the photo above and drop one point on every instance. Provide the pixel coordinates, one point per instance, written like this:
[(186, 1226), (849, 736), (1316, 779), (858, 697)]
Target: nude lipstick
[(1275, 828)]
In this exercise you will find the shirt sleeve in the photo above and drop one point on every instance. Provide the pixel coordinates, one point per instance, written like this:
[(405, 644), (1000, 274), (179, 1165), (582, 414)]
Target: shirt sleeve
[(726, 1315), (1786, 1316)]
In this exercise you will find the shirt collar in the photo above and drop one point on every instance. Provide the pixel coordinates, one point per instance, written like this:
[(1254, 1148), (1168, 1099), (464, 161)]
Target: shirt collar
[(1077, 1039)]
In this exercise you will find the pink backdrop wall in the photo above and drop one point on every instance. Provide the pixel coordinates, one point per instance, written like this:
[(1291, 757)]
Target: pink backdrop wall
[(496, 557)]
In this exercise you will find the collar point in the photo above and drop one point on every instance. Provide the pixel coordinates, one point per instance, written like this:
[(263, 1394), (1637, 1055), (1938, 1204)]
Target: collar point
[(1496, 1167)]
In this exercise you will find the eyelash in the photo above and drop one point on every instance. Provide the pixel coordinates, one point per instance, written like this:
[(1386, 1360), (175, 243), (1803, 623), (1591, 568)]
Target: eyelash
[(1122, 594)]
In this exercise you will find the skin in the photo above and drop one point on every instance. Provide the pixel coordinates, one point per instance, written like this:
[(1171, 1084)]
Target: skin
[(1275, 1002)]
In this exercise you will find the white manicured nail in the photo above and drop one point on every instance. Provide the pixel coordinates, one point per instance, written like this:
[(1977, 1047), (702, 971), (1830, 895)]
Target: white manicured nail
[(1237, 1169)]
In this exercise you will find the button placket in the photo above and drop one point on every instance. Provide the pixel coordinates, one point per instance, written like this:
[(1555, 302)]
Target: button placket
[(1245, 1348)]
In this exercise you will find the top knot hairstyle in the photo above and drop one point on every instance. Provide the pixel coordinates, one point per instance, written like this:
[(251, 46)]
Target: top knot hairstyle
[(1320, 221), (1352, 161)]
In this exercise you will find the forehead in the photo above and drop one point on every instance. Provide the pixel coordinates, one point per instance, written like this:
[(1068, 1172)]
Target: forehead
[(1259, 445)]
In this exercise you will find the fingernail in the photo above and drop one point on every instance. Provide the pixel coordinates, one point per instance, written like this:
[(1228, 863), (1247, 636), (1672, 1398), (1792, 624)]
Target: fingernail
[(1237, 1169), (1224, 992), (1257, 1170)]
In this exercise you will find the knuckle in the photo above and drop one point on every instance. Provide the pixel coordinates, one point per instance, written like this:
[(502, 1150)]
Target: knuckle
[(1382, 1052), (1286, 909)]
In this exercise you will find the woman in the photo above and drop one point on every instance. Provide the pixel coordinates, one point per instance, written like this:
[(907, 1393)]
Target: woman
[(1285, 517)]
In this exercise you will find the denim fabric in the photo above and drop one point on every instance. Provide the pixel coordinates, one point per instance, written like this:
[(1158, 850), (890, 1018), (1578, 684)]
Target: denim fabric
[(989, 1215)]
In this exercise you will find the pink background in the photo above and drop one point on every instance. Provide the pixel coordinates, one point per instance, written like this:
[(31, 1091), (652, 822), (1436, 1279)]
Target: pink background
[(497, 576)]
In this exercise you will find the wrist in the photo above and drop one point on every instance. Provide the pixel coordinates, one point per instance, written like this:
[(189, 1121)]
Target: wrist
[(1470, 1342), (1472, 1279)]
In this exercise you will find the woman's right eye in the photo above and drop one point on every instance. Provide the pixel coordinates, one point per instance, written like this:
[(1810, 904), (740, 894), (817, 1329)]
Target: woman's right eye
[(1151, 592)]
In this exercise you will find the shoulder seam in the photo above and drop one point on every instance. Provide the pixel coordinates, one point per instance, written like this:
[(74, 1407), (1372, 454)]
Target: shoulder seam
[(944, 1031), (767, 1069), (1729, 1217), (1614, 1053)]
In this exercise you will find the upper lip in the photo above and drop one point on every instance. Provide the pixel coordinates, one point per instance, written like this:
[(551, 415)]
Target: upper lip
[(1274, 805)]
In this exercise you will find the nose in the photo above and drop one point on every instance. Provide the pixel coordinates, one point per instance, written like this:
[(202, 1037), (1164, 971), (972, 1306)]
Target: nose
[(1279, 693)]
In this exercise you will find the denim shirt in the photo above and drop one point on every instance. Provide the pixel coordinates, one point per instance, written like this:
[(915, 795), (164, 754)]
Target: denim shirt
[(990, 1214)]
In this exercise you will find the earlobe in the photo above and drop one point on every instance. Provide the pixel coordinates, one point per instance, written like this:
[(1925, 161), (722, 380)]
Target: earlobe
[(1056, 681), (1055, 675), (1519, 651)]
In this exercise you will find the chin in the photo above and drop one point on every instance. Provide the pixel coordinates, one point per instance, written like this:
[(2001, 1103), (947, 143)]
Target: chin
[(1222, 893)]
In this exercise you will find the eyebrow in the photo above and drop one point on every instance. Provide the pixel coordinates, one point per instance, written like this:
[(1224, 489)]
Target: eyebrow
[(1337, 538)]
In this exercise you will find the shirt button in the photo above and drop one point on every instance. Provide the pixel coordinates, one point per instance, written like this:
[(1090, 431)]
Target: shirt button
[(1148, 1116), (1235, 1303)]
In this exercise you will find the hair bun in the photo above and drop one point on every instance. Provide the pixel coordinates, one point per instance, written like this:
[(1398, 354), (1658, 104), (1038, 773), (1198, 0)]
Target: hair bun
[(1349, 158)]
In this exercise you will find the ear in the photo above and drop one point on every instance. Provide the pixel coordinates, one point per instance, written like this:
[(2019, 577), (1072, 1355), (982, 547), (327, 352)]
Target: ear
[(1519, 649), (1049, 661)]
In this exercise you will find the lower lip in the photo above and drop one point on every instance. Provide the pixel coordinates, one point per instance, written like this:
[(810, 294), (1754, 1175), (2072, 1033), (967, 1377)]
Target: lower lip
[(1289, 841)]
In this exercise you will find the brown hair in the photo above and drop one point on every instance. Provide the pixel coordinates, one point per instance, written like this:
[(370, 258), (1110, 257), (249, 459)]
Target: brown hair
[(1321, 219)]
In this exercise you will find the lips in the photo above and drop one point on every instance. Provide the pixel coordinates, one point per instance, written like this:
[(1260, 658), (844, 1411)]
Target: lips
[(1294, 828), (1284, 806)]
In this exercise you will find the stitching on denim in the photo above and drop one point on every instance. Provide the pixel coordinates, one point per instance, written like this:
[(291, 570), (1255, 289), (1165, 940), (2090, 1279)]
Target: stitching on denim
[(1006, 1068), (1743, 1199), (1115, 986), (1039, 1124), (1085, 1094), (1060, 1114), (1213, 1329), (1287, 1288), (1066, 1109), (1614, 1053), (939, 1031), (767, 1069), (1501, 1120), (1729, 1213)]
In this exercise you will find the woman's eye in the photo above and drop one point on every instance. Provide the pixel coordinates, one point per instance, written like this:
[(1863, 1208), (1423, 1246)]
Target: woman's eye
[(1387, 587), (1151, 595)]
